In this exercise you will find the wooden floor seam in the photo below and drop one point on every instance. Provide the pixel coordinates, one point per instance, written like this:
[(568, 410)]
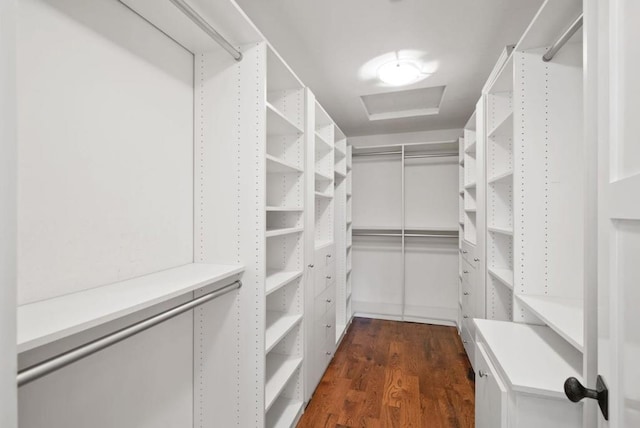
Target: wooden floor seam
[(395, 374)]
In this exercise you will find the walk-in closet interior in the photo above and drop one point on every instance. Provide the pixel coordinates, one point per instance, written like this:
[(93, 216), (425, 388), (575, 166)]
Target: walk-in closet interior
[(275, 214)]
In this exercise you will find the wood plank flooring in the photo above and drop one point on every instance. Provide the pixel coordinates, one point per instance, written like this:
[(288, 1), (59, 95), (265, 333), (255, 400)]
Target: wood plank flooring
[(395, 374)]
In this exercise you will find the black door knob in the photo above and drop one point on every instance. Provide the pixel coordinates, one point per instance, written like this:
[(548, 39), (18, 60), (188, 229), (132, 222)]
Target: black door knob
[(575, 392)]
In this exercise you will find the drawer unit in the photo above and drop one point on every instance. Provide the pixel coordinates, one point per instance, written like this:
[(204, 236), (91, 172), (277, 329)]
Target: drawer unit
[(325, 326), (468, 252), (324, 301), (491, 394)]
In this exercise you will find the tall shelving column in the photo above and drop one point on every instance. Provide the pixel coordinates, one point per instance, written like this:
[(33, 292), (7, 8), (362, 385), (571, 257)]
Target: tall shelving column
[(500, 213), (283, 289), (340, 229), (349, 233), (461, 219)]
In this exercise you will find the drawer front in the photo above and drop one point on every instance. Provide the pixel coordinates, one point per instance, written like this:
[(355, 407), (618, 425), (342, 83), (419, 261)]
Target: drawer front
[(468, 342), (491, 394), (468, 251), (324, 301), (323, 279), (324, 328)]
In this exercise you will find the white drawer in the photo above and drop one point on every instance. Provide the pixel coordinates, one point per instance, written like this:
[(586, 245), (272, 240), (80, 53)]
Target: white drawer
[(491, 393), (324, 301)]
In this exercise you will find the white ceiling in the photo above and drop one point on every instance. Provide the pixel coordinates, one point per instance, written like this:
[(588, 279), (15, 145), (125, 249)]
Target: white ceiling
[(328, 42)]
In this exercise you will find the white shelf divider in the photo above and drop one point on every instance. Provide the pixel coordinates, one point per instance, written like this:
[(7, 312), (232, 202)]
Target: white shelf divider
[(53, 319), (279, 370), (503, 275), (501, 230), (283, 412), (562, 315), (279, 124), (276, 165), (281, 232), (278, 279), (278, 325)]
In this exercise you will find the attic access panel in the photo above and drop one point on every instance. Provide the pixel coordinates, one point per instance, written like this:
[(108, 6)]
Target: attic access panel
[(402, 104)]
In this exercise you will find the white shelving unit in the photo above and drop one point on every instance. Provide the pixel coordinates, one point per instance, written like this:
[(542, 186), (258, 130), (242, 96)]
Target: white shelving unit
[(283, 287), (342, 172), (534, 333)]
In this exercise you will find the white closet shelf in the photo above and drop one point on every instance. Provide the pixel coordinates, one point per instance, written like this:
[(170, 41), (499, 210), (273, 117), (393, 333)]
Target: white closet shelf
[(279, 370), (284, 209), (533, 359), (322, 176), (564, 316), (461, 162), (321, 243), (53, 319), (470, 186), (461, 192), (349, 194), (279, 124), (278, 325), (501, 230), (281, 232), (340, 174), (322, 144), (470, 149), (276, 165), (324, 195), (504, 128), (283, 412), (470, 210), (500, 177), (503, 275), (277, 279), (339, 154)]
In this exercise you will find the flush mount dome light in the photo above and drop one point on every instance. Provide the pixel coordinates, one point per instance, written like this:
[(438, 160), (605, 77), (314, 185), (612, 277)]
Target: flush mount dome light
[(400, 73)]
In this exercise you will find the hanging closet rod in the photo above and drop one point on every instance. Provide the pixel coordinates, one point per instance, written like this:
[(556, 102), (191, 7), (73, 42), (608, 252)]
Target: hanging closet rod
[(204, 25), (575, 26), (435, 155), (59, 361)]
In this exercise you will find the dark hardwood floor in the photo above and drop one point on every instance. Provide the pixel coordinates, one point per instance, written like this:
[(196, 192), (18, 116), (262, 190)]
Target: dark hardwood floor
[(395, 374)]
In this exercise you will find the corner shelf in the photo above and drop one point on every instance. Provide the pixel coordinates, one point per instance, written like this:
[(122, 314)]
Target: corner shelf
[(562, 315), (78, 312)]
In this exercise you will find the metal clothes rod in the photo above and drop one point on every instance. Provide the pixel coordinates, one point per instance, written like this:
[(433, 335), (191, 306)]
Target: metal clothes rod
[(46, 367), (435, 155), (204, 25), (377, 234), (575, 26), (419, 235), (376, 154)]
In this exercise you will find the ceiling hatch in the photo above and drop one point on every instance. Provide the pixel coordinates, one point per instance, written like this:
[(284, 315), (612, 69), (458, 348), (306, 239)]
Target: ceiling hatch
[(401, 104)]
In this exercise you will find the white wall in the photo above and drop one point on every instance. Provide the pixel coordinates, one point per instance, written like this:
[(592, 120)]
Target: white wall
[(406, 137), (7, 216)]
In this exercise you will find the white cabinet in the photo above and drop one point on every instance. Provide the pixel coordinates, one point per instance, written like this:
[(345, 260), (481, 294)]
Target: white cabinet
[(491, 394), (520, 371)]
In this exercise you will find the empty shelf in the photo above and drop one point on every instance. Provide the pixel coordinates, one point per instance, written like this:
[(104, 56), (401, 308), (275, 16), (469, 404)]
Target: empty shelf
[(321, 243), (280, 232), (564, 316), (323, 177), (276, 165), (278, 279), (279, 370), (278, 325), (322, 144), (324, 195), (504, 276), (471, 148), (340, 174), (533, 358), (283, 412), (500, 177), (279, 124), (501, 230), (470, 186), (284, 209), (504, 128), (53, 319)]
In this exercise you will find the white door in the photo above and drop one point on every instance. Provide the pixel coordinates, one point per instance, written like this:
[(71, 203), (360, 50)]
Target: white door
[(619, 215)]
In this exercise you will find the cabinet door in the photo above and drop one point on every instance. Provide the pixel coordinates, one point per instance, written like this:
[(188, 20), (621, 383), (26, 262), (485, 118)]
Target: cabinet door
[(491, 394)]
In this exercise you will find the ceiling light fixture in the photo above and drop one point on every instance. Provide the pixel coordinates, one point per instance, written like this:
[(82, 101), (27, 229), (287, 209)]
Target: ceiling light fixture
[(400, 73)]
